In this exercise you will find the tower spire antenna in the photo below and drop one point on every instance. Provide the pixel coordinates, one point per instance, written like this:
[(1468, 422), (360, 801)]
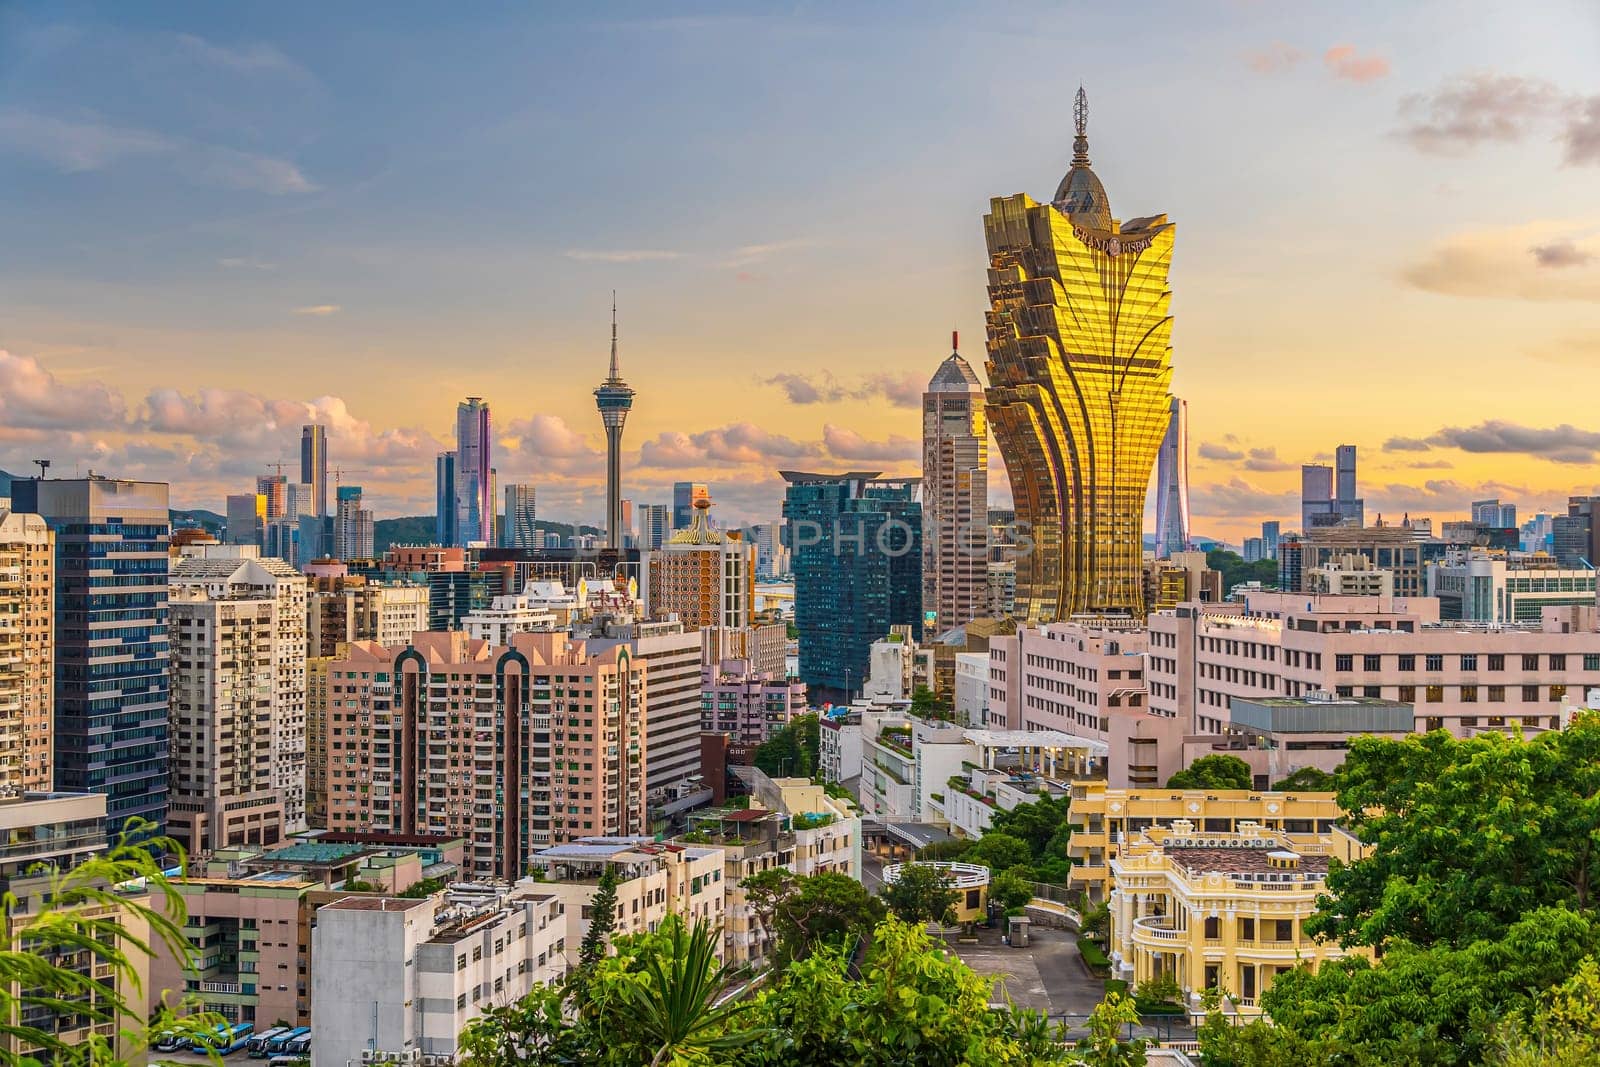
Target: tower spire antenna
[(1080, 121), (616, 371)]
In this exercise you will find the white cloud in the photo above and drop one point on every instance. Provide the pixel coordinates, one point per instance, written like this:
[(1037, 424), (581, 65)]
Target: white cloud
[(319, 309), (623, 255), (75, 145)]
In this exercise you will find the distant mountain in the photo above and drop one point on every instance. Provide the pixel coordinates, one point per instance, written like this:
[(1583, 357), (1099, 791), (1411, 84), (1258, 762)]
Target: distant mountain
[(5, 483), (418, 530), (199, 517)]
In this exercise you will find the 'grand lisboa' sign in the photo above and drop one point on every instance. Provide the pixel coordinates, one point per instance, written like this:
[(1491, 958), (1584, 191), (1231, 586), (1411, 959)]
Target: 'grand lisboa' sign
[(1113, 245)]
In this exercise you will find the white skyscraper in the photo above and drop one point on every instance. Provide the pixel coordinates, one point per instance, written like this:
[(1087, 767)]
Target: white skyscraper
[(1172, 484)]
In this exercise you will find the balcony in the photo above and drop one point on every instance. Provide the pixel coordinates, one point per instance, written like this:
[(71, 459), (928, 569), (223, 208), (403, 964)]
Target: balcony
[(1158, 930)]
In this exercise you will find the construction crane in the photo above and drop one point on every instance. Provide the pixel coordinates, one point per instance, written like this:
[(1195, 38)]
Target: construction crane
[(44, 467), (340, 472), (280, 464)]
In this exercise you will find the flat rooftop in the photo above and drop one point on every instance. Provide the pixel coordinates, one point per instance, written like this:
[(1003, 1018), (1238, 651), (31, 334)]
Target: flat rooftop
[(315, 853), (377, 904), (1336, 715), (1035, 739), (1241, 861)]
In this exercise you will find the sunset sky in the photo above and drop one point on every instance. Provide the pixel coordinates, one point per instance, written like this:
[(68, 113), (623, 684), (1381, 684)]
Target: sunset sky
[(218, 221)]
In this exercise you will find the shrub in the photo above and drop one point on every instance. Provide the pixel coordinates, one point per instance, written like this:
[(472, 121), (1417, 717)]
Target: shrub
[(1093, 955)]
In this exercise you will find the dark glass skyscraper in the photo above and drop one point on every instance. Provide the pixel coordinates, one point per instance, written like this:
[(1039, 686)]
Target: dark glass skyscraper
[(856, 544), (314, 465), (112, 680), (475, 500), (444, 514)]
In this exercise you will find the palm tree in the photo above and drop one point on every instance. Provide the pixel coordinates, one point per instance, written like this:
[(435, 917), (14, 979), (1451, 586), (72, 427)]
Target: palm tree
[(676, 1011)]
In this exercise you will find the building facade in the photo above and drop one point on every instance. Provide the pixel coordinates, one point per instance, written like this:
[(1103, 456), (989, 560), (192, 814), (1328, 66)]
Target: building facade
[(239, 685), (856, 540), (1172, 484), (1457, 676), (955, 495), (314, 465), (1080, 365), (655, 526), (352, 525), (748, 705), (1483, 588), (672, 655), (703, 576), (684, 496), (112, 678), (513, 748), (520, 530), (474, 462), (444, 500), (27, 652)]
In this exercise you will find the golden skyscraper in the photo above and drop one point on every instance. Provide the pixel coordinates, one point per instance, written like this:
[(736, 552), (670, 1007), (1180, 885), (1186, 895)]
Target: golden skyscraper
[(1080, 364)]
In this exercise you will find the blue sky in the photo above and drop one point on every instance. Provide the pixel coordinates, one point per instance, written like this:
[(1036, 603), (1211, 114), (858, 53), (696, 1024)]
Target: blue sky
[(223, 216)]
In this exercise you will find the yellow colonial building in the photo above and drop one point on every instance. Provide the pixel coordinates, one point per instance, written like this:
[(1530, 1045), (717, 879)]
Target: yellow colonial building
[(1216, 910), (1101, 817)]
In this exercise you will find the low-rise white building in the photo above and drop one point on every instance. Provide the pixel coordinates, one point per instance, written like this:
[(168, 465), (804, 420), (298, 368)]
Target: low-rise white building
[(654, 880), (972, 688), (405, 977), (840, 747)]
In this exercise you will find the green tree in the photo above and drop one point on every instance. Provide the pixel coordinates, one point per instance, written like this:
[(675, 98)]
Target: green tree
[(1010, 891), (1104, 1046), (1213, 772), (783, 755), (913, 1004), (532, 1031), (674, 1010), (999, 851), (1235, 570), (602, 920), (1306, 780), (1466, 836), (1563, 1032), (424, 887), (921, 894), (806, 913), (77, 922)]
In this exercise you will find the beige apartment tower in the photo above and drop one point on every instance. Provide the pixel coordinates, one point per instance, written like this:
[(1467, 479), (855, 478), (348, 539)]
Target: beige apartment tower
[(27, 652), (955, 495)]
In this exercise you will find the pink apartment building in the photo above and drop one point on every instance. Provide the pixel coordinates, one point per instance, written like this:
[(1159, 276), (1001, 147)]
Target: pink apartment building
[(1460, 676), (747, 705), (513, 748), (1077, 680)]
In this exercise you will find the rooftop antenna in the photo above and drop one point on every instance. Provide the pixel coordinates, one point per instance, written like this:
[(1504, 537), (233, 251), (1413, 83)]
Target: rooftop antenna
[(43, 465)]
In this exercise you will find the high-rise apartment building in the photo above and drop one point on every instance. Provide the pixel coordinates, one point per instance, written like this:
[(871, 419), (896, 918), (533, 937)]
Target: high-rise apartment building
[(704, 576), (247, 516), (856, 543), (772, 555), (314, 466), (614, 399), (111, 685), (239, 695), (520, 530), (275, 489), (352, 525), (1172, 484), (350, 608), (955, 495), (672, 655), (1351, 508), (444, 500), (27, 652), (475, 500), (300, 500), (684, 495), (655, 526), (1080, 363), (514, 749)]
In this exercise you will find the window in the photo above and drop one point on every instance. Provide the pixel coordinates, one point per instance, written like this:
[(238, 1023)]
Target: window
[(1558, 663), (1372, 663), (1469, 694), (1436, 694), (1408, 663), (461, 962), (1372, 690), (1247, 929), (1497, 694), (477, 953), (1497, 662), (1213, 929), (1530, 693), (1284, 930), (1345, 690), (1469, 662), (1343, 663), (1434, 663), (1530, 663), (1557, 692), (1591, 661), (461, 1001), (1408, 694)]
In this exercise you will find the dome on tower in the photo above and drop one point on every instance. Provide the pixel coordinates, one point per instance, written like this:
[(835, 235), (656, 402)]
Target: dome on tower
[(1080, 196)]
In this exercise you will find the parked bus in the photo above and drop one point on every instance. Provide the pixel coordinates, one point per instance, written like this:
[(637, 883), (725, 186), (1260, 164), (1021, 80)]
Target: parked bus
[(280, 1043), (205, 1041), (237, 1038), (300, 1046), (170, 1041), (258, 1043)]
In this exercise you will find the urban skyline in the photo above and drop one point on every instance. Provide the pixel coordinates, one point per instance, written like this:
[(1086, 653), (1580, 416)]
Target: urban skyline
[(265, 291)]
